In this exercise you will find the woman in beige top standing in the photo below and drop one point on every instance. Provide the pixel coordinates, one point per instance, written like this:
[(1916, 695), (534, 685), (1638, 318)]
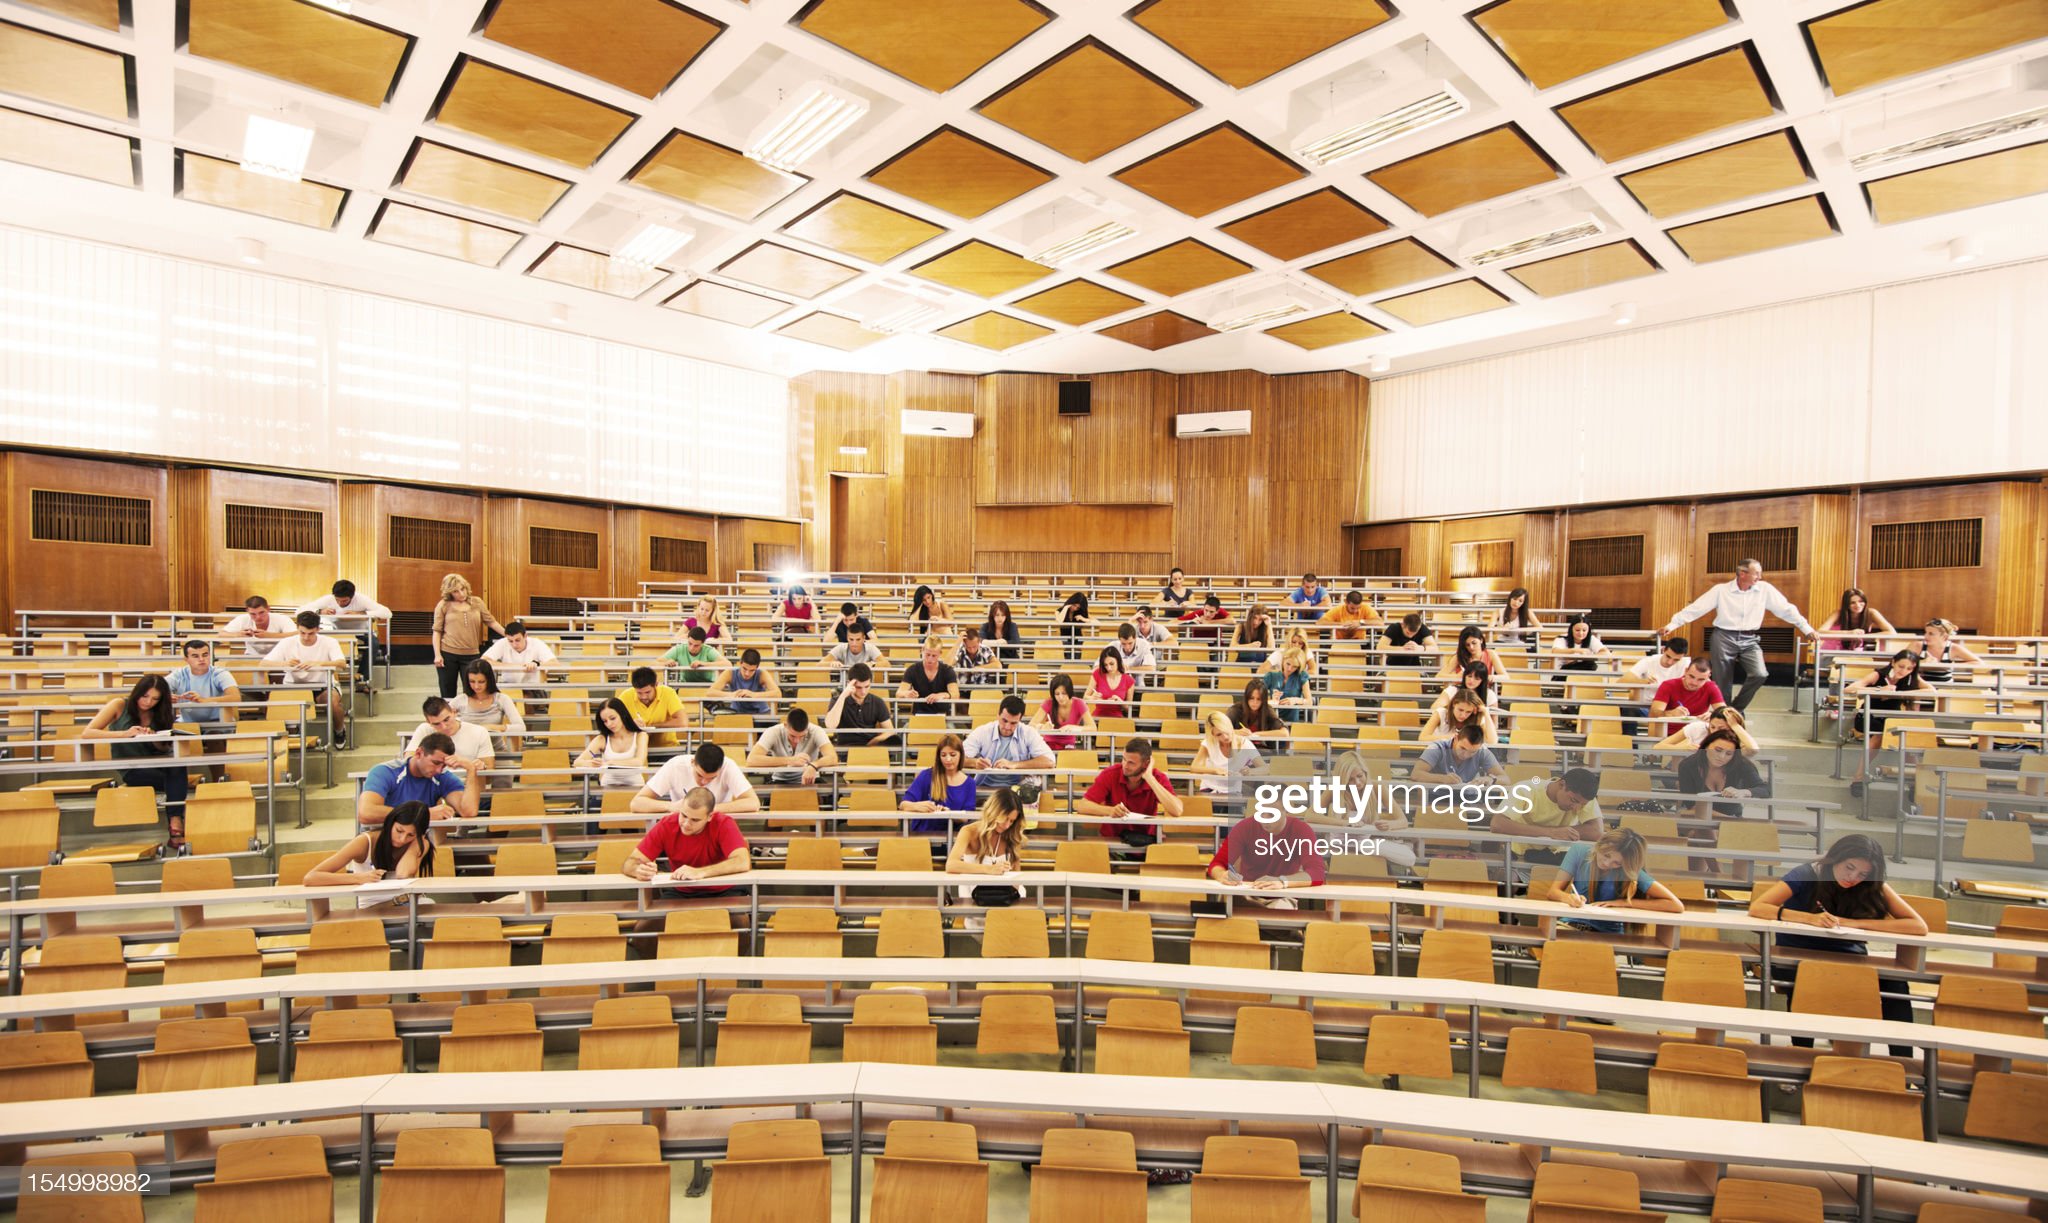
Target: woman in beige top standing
[(459, 622)]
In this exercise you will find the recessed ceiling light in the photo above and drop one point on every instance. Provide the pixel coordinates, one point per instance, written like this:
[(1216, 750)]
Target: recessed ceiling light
[(1624, 314), (652, 244), (276, 149), (803, 125), (558, 314), (1379, 364), (1964, 251), (250, 251), (1428, 104), (1259, 309)]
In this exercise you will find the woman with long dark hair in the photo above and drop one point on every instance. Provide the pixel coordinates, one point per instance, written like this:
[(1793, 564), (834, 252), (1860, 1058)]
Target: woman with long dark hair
[(1000, 633), (141, 724), (1514, 624), (399, 848), (1720, 766), (618, 746), (1111, 688), (1061, 708), (1855, 624), (1254, 712), (1254, 637), (1879, 689), (1073, 613), (928, 610)]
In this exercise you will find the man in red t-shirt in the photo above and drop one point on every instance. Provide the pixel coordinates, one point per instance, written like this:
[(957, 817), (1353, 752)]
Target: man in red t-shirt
[(1132, 788), (1693, 691), (699, 842), (1267, 857)]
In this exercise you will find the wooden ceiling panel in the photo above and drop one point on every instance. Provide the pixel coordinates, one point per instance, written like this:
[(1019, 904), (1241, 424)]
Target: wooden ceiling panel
[(1883, 40), (583, 35), (696, 171), (1243, 42), (712, 300), (1677, 104), (437, 233), (572, 265), (862, 228), (787, 271), (106, 14), (981, 269), (518, 111), (1157, 331), (1078, 303), (64, 72), (935, 43), (1213, 170), (1759, 229), (953, 171), (302, 43), (224, 184), (1185, 266), (993, 330), (1587, 269), (1459, 299), (1988, 179), (1732, 172), (1317, 221), (1553, 41), (832, 331), (1467, 171), (1087, 101), (67, 148), (457, 177), (1382, 268), (1327, 330)]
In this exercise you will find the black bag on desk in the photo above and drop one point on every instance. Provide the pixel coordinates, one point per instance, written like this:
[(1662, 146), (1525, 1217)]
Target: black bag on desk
[(995, 895)]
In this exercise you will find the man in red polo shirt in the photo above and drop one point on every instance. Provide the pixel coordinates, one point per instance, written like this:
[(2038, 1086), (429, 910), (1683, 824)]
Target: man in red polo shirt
[(699, 842), (1693, 691), (1132, 788)]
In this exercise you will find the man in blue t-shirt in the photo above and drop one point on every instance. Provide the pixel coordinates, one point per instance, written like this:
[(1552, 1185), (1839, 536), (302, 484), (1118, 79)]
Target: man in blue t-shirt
[(424, 777), (1310, 597)]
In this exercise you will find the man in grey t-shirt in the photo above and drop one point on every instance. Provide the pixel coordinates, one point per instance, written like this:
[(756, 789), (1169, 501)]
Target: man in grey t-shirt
[(1459, 760), (795, 749)]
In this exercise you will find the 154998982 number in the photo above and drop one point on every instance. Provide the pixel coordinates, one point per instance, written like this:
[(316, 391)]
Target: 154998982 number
[(54, 1181)]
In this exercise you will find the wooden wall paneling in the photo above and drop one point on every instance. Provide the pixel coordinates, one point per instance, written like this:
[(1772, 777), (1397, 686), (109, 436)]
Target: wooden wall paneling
[(1313, 453), (1769, 514), (1828, 550), (515, 581), (755, 543), (209, 575), (843, 410), (1045, 538), (1532, 562), (1219, 490), (862, 538), (187, 560), (1021, 442), (62, 574), (1671, 565), (411, 584), (636, 528), (1656, 589), (2021, 567), (935, 507), (1911, 597), (1123, 449)]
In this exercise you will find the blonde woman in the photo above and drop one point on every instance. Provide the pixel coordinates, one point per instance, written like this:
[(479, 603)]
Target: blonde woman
[(1226, 753), (1381, 812), (992, 845), (1939, 649), (1609, 874), (1457, 708), (709, 618), (1688, 737), (1297, 640), (460, 619)]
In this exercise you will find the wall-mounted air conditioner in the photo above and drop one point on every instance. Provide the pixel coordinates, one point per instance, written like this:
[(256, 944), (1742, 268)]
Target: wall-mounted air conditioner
[(937, 424), (1212, 424)]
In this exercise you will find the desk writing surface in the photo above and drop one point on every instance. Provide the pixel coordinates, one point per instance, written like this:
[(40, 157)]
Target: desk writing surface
[(1961, 1164), (614, 1089), (46, 1120), (1124, 1095)]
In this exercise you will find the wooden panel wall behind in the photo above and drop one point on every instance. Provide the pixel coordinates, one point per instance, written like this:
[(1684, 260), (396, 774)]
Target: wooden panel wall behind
[(635, 529), (1122, 451), (514, 581), (1911, 597), (1658, 588), (842, 410), (1219, 490), (1021, 442), (1311, 450), (2021, 568), (402, 583), (1530, 560), (933, 501), (208, 575), (757, 543), (52, 575)]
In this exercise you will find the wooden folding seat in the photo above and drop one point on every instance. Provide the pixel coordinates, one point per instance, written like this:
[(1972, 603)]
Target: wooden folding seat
[(867, 766), (1079, 759), (1737, 1200), (610, 1172), (1986, 1004), (762, 1029), (72, 962), (197, 875), (1705, 978), (2009, 1108), (1459, 955), (903, 854), (1172, 860), (442, 1176), (466, 942), (197, 1054), (1829, 987), (911, 934), (220, 818), (44, 1066), (118, 807), (803, 933), (1249, 1178), (1579, 967), (103, 1207), (75, 751), (254, 739), (1584, 1193), (1695, 1080), (1988, 840), (1401, 1043), (1464, 876), (507, 805), (773, 1170), (929, 1170), (1017, 1023), (1142, 1036), (2014, 921), (1088, 1174), (491, 1037), (630, 1032), (344, 1044), (1274, 1036), (1864, 1094), (228, 954), (1015, 934), (581, 938), (28, 828), (1404, 1183), (1552, 1058), (292, 868), (1955, 1212), (1120, 935), (1227, 942), (892, 1027), (814, 854), (345, 944), (608, 857), (1079, 856), (278, 1180)]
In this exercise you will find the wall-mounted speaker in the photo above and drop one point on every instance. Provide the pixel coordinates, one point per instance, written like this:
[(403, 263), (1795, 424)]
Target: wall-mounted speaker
[(1075, 397)]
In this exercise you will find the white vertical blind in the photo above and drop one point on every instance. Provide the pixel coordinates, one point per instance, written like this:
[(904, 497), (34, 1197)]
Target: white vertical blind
[(108, 349), (1938, 378)]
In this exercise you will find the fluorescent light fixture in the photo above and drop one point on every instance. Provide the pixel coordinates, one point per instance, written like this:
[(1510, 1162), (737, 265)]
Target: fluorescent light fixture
[(1109, 233), (652, 244), (1379, 364), (853, 451), (250, 251), (1624, 314), (1555, 231), (910, 316), (276, 149), (1965, 251), (803, 125), (1261, 308), (1426, 105)]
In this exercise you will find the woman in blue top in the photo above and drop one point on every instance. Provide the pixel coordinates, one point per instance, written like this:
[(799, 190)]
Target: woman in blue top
[(1608, 873), (1288, 686), (948, 787)]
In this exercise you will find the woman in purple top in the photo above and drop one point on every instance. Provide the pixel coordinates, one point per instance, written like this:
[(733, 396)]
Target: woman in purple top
[(945, 787)]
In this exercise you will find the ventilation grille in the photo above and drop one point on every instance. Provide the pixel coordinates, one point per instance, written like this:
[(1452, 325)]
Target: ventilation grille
[(1952, 543), (667, 555), (412, 624), (560, 549), (1490, 558), (88, 518), (1777, 548), (1614, 619), (1608, 556), (773, 557), (429, 539), (554, 605), (271, 528), (1379, 562)]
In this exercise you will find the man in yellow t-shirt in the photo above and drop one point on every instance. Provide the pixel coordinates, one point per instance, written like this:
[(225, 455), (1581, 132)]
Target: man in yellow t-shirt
[(1563, 810), (1349, 620), (654, 705)]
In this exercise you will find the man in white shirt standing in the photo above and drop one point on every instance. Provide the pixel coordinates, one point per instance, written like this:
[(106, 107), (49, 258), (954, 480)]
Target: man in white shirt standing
[(1738, 609), (1648, 674), (342, 610), (521, 660), (310, 658)]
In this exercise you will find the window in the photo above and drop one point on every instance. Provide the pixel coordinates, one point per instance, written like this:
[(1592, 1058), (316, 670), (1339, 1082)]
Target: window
[(667, 555), (271, 528), (560, 549), (88, 518), (1491, 558), (1952, 543), (429, 539), (1379, 562), (1607, 556), (1776, 548)]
